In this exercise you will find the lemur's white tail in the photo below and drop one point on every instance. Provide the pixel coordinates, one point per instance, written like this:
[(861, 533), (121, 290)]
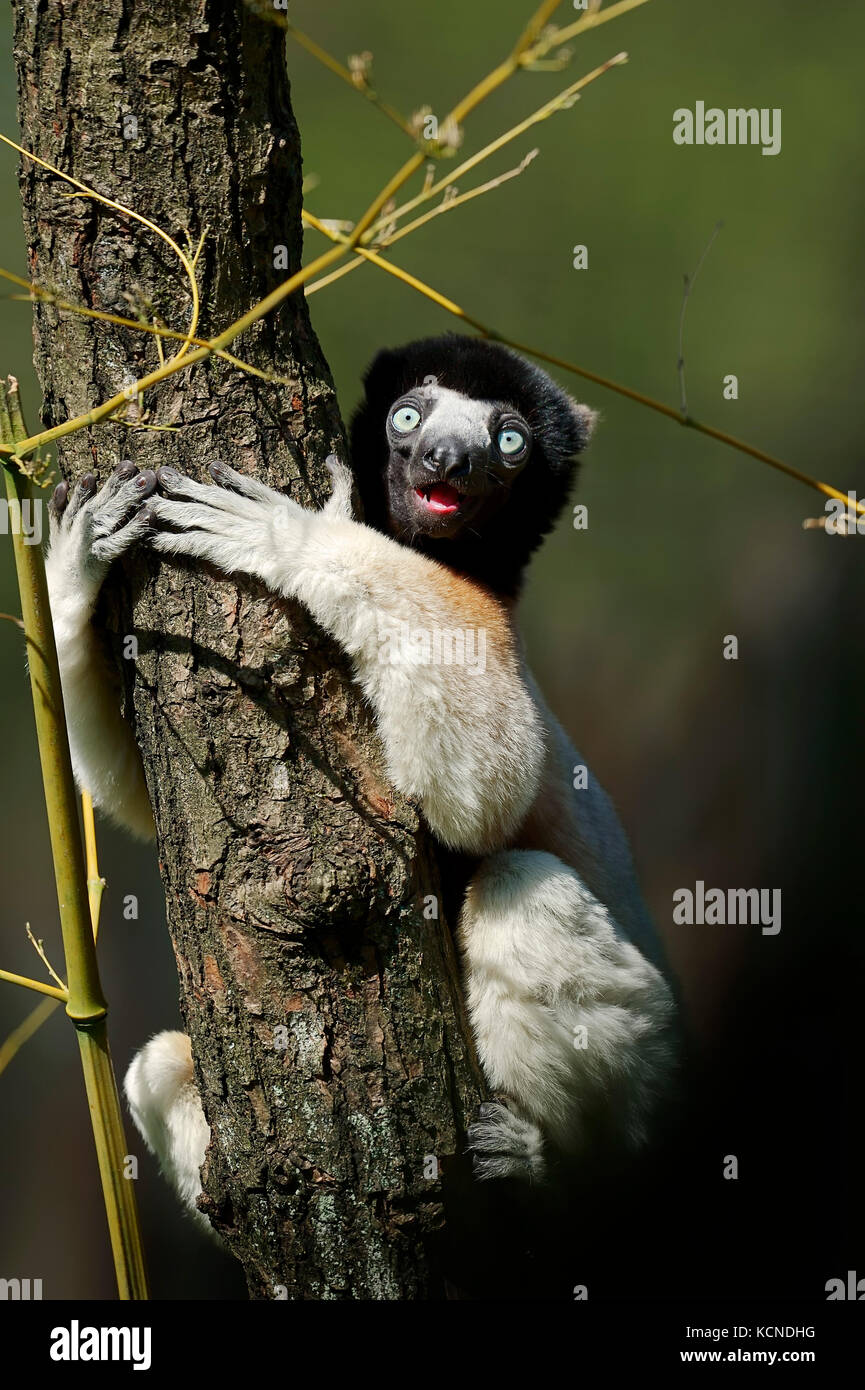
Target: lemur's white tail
[(167, 1110)]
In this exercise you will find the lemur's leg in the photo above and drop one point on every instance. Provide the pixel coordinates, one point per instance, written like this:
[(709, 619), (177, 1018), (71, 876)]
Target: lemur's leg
[(166, 1108), (571, 1022), (462, 735), (89, 530)]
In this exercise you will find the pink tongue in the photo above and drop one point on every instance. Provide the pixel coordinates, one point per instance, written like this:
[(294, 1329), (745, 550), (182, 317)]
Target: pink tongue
[(443, 498)]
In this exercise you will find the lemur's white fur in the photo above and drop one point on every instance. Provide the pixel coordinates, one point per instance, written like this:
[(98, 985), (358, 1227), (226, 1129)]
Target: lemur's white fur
[(545, 963), (166, 1108), (453, 413), (93, 532), (544, 933)]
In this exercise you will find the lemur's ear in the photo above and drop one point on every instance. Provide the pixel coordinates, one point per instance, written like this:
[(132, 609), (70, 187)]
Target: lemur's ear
[(586, 419), (562, 426)]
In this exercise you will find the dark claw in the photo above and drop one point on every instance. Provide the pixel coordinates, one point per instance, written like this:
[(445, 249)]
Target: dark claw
[(60, 497), (87, 483), (145, 483), (218, 472), (126, 469)]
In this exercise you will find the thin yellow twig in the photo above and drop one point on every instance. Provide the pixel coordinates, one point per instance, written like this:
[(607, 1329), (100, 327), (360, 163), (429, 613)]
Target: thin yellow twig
[(304, 41), (459, 199), (591, 20), (145, 425), (27, 983), (373, 256), (529, 37), (199, 248), (39, 948)]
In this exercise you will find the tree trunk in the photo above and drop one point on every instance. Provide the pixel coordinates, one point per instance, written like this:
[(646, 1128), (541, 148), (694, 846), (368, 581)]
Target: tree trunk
[(331, 1049)]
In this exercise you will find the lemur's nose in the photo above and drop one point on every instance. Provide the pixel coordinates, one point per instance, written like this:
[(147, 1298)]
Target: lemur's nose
[(449, 457)]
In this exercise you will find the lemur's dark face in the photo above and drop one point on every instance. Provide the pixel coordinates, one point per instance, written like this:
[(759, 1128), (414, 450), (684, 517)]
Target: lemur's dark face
[(452, 460), (465, 451)]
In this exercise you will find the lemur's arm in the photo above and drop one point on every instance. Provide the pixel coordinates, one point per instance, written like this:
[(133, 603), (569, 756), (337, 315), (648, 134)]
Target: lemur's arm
[(465, 739), (89, 530)]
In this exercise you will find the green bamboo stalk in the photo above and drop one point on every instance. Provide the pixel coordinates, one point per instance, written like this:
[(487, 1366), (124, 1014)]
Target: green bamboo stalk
[(86, 1005)]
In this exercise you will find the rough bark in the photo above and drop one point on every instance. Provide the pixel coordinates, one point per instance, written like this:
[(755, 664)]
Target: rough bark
[(294, 876)]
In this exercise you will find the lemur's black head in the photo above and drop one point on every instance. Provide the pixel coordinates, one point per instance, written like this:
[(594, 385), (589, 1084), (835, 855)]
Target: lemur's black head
[(466, 451)]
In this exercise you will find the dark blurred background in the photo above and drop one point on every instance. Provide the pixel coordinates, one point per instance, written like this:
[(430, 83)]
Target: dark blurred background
[(738, 773)]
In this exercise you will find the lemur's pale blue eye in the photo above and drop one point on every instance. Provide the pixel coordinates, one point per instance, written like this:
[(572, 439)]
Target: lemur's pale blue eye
[(511, 441), (405, 419)]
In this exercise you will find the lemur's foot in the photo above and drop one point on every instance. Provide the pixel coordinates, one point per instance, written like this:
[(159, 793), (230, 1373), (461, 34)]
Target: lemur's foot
[(90, 529), (504, 1145)]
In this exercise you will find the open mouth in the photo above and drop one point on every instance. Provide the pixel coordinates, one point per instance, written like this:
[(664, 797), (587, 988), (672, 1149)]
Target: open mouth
[(439, 498)]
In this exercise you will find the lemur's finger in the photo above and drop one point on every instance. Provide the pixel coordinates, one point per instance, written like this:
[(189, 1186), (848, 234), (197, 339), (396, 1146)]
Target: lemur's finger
[(175, 485), (339, 502), (81, 495), (241, 483), (184, 544), (120, 499), (186, 515), (112, 546), (59, 498)]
